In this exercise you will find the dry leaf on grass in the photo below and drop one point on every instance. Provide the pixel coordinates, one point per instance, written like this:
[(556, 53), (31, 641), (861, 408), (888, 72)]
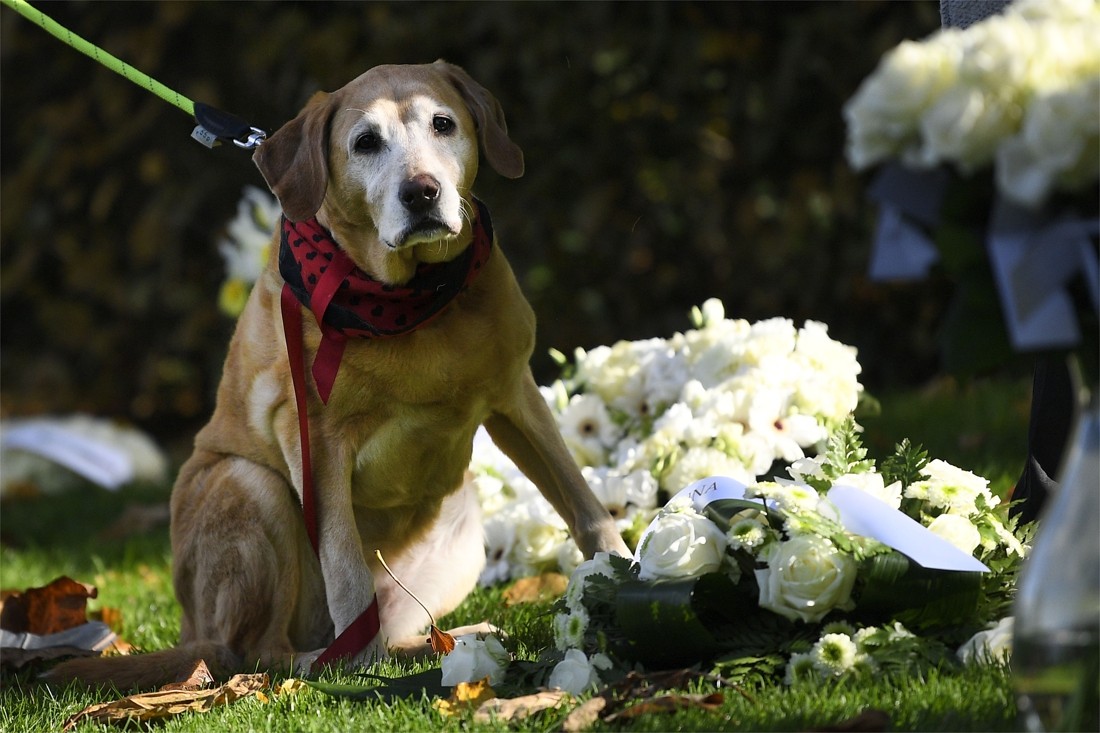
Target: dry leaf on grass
[(198, 678), (168, 703), (585, 716), (465, 696), (536, 589), (57, 606), (644, 694), (518, 708)]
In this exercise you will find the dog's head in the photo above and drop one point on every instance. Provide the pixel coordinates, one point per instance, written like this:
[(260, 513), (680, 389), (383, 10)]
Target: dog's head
[(387, 163)]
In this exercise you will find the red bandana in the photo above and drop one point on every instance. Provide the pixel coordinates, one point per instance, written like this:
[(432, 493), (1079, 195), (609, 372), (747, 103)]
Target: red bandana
[(348, 303)]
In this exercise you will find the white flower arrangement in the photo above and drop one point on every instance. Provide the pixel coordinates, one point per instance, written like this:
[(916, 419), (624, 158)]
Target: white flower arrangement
[(1018, 91), (724, 398), (774, 581)]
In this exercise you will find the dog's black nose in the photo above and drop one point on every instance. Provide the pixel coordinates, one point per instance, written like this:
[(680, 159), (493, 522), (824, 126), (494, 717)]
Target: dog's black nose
[(419, 193)]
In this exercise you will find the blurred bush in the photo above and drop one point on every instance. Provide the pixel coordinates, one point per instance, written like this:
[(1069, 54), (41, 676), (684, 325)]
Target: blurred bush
[(675, 151)]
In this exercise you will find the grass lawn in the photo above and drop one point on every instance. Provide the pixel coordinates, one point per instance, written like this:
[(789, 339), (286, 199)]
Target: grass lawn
[(980, 427)]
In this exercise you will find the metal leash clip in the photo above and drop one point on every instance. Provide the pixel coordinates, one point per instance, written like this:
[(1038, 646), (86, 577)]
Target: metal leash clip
[(253, 141)]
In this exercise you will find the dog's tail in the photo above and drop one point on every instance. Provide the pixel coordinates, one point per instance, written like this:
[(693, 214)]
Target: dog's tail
[(149, 670)]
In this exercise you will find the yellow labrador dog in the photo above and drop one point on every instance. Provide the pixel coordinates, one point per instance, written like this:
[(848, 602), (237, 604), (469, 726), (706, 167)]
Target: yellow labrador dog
[(384, 169)]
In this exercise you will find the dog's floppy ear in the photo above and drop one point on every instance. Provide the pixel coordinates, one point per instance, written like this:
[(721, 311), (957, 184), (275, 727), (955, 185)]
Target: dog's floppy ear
[(492, 131), (294, 160)]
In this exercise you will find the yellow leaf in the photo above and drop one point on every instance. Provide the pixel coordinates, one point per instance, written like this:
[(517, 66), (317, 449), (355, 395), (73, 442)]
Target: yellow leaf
[(465, 696), (289, 686)]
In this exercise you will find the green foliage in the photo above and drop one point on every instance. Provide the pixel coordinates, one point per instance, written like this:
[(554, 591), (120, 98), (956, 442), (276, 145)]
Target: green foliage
[(844, 452), (905, 465)]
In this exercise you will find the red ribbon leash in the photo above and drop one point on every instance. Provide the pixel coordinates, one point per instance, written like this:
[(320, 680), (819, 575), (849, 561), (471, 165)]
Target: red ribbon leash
[(363, 630)]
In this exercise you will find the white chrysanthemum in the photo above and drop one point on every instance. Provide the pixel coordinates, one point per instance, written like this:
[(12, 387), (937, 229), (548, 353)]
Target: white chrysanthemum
[(746, 534), (569, 628), (834, 654), (953, 489), (800, 668), (789, 497)]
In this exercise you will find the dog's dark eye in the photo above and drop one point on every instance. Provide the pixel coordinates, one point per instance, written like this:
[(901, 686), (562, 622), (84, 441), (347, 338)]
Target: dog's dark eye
[(443, 125), (368, 142)]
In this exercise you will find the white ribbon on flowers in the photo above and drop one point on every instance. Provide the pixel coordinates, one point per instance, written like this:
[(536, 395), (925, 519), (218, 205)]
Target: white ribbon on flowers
[(859, 513)]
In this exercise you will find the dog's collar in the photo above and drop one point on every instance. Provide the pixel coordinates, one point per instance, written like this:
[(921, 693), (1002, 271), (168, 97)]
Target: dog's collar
[(348, 303)]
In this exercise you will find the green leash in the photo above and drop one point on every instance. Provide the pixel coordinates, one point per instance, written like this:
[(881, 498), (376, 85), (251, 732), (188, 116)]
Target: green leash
[(213, 124)]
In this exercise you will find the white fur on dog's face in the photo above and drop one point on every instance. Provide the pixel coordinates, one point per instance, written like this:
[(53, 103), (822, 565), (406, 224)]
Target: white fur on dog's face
[(386, 143)]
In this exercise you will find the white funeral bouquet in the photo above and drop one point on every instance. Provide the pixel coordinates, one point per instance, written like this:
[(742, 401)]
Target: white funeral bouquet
[(1018, 91), (842, 569), (641, 417)]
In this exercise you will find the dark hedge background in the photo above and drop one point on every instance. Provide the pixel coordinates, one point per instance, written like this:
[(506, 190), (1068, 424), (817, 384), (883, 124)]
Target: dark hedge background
[(674, 152)]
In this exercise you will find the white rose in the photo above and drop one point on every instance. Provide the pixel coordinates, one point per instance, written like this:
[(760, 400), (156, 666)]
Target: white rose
[(994, 645), (1053, 145), (964, 127), (957, 530), (576, 673), (683, 544), (806, 578), (473, 659), (883, 115)]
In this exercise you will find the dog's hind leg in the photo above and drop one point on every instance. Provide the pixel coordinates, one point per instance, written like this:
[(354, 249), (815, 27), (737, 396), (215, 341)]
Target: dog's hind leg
[(244, 572)]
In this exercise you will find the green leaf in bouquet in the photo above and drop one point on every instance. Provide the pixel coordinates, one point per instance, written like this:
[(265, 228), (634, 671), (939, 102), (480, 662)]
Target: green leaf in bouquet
[(844, 452), (905, 465), (893, 586), (428, 682)]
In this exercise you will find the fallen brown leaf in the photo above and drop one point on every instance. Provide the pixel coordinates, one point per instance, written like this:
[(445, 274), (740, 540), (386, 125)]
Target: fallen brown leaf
[(518, 708), (168, 703), (536, 589), (57, 606), (198, 678), (585, 716)]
